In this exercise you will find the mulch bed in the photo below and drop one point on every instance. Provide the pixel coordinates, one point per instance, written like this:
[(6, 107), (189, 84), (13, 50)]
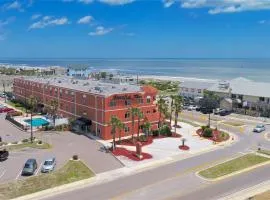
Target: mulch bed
[(130, 154), (215, 138), (184, 148)]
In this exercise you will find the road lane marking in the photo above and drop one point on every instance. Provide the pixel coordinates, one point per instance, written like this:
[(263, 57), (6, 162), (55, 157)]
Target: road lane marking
[(2, 174)]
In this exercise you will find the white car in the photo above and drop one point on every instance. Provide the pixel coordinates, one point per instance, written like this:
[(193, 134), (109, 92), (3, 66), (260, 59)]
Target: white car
[(192, 107), (48, 165), (259, 128)]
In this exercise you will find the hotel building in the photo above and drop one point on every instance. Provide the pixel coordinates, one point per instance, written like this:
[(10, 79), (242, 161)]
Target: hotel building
[(91, 100)]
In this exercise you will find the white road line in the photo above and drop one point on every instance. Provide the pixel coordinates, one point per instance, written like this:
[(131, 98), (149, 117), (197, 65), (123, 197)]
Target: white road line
[(3, 173), (38, 168), (19, 175)]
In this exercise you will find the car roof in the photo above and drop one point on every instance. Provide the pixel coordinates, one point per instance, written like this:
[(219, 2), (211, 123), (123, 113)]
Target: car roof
[(31, 160), (50, 159)]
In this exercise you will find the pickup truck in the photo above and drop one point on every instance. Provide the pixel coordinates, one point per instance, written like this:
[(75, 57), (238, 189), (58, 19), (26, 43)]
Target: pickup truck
[(3, 155)]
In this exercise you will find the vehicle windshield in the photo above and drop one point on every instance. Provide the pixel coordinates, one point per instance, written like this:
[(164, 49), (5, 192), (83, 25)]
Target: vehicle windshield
[(27, 165), (259, 126), (48, 162)]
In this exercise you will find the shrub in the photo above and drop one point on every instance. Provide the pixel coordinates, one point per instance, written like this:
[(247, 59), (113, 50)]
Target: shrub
[(75, 157), (208, 132), (203, 127), (155, 133), (15, 142), (166, 131), (39, 142), (25, 140), (3, 143), (143, 138)]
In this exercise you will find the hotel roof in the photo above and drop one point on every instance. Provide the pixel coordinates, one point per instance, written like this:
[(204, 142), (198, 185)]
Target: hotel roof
[(90, 86), (244, 86)]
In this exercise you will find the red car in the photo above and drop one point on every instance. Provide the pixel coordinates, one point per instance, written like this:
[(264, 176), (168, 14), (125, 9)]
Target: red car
[(5, 110)]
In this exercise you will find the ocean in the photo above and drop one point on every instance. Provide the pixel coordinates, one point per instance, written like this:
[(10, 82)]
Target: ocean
[(223, 69)]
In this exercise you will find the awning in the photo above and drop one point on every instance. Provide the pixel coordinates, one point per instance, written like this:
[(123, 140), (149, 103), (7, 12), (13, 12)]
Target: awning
[(83, 121)]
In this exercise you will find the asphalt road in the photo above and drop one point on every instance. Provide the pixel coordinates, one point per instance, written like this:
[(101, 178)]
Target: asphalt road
[(173, 180)]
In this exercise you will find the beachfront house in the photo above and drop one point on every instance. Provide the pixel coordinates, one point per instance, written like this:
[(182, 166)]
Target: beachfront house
[(247, 96)]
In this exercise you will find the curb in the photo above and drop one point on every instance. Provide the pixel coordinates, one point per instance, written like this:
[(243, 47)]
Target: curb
[(231, 174), (249, 192)]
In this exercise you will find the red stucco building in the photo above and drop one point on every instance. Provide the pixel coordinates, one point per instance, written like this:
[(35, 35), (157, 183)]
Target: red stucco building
[(92, 100)]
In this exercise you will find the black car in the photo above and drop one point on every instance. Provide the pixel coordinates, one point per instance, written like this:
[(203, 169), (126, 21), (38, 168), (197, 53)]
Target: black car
[(29, 167), (223, 112), (4, 155)]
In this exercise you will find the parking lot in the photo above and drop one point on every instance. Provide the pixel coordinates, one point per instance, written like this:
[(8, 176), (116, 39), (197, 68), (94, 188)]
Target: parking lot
[(65, 145)]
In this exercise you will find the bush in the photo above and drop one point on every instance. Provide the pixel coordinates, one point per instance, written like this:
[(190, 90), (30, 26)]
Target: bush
[(25, 140), (3, 143), (143, 138), (166, 131), (203, 127), (208, 132), (75, 157), (15, 142), (155, 133), (48, 128), (39, 142)]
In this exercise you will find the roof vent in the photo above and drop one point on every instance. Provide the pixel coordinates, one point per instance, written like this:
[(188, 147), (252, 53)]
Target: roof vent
[(124, 89), (59, 81)]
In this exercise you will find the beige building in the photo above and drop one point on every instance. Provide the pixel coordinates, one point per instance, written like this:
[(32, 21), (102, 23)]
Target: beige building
[(6, 83)]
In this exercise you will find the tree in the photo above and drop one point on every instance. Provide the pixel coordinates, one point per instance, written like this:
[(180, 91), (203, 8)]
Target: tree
[(114, 123), (209, 102), (171, 108), (32, 102), (163, 109), (183, 141), (53, 109), (120, 127), (133, 112), (147, 125), (103, 75), (178, 102), (140, 116)]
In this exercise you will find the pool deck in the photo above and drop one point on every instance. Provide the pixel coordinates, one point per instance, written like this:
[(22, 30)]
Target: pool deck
[(21, 120)]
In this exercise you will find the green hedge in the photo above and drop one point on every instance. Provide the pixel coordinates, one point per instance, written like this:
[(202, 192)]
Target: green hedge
[(208, 132)]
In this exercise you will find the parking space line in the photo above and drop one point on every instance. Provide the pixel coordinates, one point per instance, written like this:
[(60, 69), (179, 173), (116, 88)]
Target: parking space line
[(38, 169), (3, 173), (19, 175)]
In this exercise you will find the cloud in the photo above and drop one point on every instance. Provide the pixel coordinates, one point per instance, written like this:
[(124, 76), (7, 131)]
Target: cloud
[(85, 20), (7, 21), (15, 5), (36, 16), (264, 22), (100, 30), (116, 2), (86, 1), (222, 6), (49, 21)]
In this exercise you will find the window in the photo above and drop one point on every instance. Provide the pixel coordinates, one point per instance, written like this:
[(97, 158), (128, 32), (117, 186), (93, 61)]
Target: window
[(112, 103), (148, 111), (127, 115), (192, 90), (199, 91), (261, 98), (233, 96), (126, 129), (127, 102), (140, 100), (148, 99), (154, 110), (186, 89)]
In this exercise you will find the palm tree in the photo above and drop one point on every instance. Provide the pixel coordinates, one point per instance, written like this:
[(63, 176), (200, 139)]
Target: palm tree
[(114, 123), (172, 108), (147, 126), (162, 108), (120, 127), (133, 112), (140, 116), (177, 108), (183, 141), (32, 102), (54, 108), (209, 102)]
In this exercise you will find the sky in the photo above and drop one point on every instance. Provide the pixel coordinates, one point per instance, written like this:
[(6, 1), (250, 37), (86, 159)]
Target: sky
[(134, 28)]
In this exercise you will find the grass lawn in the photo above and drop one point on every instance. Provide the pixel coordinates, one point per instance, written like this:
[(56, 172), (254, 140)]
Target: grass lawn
[(232, 166), (28, 144), (72, 171), (264, 151), (21, 108), (233, 123)]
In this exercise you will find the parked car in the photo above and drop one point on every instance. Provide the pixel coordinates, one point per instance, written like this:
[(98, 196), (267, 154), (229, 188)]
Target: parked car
[(29, 167), (259, 128), (48, 165), (4, 155), (198, 108), (192, 107), (217, 110), (223, 112)]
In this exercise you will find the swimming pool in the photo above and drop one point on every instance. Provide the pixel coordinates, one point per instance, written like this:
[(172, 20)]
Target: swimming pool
[(37, 122)]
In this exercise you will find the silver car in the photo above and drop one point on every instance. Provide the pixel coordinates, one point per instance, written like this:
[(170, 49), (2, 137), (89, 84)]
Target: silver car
[(48, 165), (259, 128)]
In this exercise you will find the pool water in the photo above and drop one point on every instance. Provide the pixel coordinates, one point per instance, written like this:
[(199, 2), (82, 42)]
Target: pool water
[(37, 122)]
